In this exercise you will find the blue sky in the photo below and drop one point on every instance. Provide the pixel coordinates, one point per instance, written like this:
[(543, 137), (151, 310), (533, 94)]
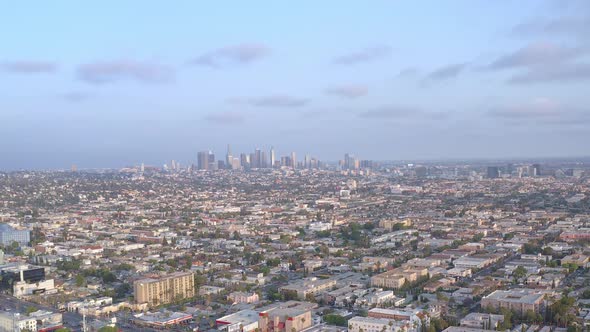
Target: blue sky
[(116, 83)]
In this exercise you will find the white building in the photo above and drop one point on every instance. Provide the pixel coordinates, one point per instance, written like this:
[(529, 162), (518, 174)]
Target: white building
[(370, 324), (22, 288), (9, 320)]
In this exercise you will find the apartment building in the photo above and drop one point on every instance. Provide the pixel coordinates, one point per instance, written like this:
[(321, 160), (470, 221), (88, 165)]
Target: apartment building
[(519, 300), (310, 286), (396, 278), (243, 297), (164, 289), (414, 317)]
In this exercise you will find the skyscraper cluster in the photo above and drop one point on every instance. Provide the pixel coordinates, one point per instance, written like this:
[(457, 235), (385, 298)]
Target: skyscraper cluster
[(259, 159)]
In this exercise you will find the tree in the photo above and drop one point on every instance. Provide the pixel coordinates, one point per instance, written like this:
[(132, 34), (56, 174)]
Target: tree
[(30, 310), (108, 329), (80, 280), (337, 320), (519, 272)]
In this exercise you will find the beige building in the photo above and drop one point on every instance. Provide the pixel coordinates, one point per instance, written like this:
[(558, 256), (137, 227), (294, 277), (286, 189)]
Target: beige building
[(396, 278), (519, 300), (165, 289), (309, 286), (243, 297)]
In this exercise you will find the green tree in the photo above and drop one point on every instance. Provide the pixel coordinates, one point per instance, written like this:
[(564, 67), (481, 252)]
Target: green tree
[(337, 320), (108, 329), (519, 272), (80, 280)]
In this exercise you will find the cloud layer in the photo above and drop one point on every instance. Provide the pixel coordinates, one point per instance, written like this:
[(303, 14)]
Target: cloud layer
[(348, 91), (103, 72), (28, 67), (390, 112), (537, 54), (447, 72), (271, 101), (540, 111), (232, 55), (365, 55), (225, 117)]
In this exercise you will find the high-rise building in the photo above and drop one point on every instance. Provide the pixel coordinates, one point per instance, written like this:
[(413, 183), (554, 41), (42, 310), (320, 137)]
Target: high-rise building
[(203, 160), (536, 170), (307, 161), (272, 157), (263, 160), (228, 158), (235, 163), (286, 161), (293, 160), (257, 163), (245, 160), (493, 172), (350, 162), (165, 289)]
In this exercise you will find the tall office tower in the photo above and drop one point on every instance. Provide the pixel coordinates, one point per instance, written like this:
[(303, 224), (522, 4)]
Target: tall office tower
[(245, 160), (142, 168), (212, 162), (314, 163), (257, 163), (228, 157), (493, 172), (285, 161), (366, 164), (253, 160), (307, 161), (272, 157), (293, 160), (263, 160), (235, 163), (536, 170), (203, 160), (173, 165)]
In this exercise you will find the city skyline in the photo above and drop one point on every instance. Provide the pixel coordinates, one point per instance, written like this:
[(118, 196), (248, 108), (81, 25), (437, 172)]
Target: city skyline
[(410, 83)]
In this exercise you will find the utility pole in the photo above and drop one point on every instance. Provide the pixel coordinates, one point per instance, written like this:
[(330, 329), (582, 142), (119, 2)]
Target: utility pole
[(84, 308)]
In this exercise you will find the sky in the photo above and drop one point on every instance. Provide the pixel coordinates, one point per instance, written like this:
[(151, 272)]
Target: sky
[(117, 83)]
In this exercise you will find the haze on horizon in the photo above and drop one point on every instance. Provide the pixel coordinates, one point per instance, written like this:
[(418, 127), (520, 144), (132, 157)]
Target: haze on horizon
[(111, 83)]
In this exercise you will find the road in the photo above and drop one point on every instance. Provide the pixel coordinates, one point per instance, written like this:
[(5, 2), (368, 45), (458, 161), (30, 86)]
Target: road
[(71, 320)]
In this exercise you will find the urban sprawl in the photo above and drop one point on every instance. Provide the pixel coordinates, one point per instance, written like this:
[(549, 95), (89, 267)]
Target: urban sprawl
[(261, 243)]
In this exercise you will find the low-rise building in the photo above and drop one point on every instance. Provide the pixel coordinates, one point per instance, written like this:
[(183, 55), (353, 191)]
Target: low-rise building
[(309, 286), (482, 321), (371, 324), (243, 297), (519, 300)]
